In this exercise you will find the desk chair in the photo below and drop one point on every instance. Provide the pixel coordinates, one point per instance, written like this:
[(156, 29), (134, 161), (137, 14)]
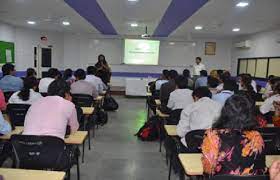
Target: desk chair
[(8, 94), (17, 113), (44, 152), (82, 100), (232, 177), (271, 137), (82, 127), (194, 140), (44, 94)]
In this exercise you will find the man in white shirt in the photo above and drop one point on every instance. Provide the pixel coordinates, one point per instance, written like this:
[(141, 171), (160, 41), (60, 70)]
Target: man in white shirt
[(198, 67), (94, 80), (199, 115), (181, 96), (268, 103), (45, 82), (229, 87)]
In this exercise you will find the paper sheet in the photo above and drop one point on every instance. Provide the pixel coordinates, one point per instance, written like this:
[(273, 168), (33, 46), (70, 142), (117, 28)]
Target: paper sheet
[(8, 56)]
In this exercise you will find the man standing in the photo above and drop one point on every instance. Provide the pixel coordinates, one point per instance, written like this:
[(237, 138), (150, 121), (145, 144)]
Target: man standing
[(198, 67)]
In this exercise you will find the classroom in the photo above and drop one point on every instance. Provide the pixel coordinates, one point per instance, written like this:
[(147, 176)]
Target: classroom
[(139, 89)]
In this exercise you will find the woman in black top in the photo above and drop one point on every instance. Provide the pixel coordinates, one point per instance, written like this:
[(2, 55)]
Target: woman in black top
[(103, 69)]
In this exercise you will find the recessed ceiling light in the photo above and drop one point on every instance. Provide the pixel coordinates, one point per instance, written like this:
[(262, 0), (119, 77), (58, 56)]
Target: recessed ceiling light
[(172, 43), (242, 4), (236, 29), (66, 23), (134, 25), (132, 0), (31, 22), (198, 27)]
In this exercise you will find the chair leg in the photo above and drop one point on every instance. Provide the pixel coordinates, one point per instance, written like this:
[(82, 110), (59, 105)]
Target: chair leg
[(78, 168), (83, 156), (89, 139), (170, 167), (160, 134), (68, 174)]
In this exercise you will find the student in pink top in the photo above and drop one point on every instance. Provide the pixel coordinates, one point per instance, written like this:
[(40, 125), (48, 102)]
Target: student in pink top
[(3, 104), (51, 115)]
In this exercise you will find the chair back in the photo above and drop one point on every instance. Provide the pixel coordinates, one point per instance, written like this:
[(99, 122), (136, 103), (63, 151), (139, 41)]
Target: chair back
[(194, 140), (44, 94), (232, 177), (17, 113), (8, 94), (80, 117), (82, 100), (37, 152), (271, 137)]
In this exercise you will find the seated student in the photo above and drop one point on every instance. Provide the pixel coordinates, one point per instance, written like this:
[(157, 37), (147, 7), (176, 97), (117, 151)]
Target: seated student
[(181, 96), (9, 82), (268, 103), (81, 86), (202, 80), (187, 74), (5, 127), (30, 72), (27, 95), (94, 80), (51, 115), (162, 80), (3, 104), (233, 146), (252, 82), (212, 84), (68, 76), (247, 88), (45, 82), (224, 77), (268, 87), (166, 89), (199, 115), (229, 88)]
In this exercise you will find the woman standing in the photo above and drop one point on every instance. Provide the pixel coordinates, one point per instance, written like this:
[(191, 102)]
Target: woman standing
[(103, 69)]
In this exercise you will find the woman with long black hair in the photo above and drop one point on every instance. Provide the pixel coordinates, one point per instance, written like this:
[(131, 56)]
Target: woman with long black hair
[(103, 69), (27, 95)]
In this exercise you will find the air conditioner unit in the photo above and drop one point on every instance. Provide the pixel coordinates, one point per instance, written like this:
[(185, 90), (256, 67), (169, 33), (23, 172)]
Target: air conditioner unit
[(243, 44)]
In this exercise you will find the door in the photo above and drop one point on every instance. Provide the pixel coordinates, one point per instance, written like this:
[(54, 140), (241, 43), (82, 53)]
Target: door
[(42, 60)]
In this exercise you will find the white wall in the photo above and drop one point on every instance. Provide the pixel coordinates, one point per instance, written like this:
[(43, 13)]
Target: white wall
[(26, 39), (263, 44)]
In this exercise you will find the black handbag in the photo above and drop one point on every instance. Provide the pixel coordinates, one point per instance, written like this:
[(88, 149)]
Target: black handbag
[(110, 104)]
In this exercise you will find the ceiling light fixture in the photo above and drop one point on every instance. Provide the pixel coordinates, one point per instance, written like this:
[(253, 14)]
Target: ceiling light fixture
[(66, 23), (132, 0), (242, 4), (31, 22), (134, 25), (172, 43), (198, 27), (236, 29)]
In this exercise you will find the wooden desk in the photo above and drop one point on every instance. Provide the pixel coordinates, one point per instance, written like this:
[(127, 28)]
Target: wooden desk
[(158, 103), (161, 115), (23, 174), (18, 130), (149, 94), (259, 103), (270, 125), (170, 130), (99, 98), (193, 166), (76, 138), (88, 110)]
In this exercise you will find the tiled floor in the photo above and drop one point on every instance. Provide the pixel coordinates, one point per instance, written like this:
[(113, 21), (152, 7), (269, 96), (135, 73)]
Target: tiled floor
[(116, 152)]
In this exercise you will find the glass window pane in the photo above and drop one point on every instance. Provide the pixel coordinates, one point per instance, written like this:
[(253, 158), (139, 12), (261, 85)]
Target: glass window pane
[(274, 67), (261, 68), (243, 66), (251, 69)]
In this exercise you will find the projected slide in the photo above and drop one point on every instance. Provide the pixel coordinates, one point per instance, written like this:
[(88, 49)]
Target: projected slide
[(141, 52)]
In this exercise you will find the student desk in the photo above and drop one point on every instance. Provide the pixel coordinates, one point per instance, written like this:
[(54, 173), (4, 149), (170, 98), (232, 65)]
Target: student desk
[(162, 117), (259, 103), (170, 130), (23, 174), (149, 94), (99, 98), (76, 138), (158, 103), (18, 130), (193, 166), (88, 110)]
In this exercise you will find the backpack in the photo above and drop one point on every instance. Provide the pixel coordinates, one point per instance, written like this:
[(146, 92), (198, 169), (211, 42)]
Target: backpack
[(102, 117), (150, 130), (110, 104)]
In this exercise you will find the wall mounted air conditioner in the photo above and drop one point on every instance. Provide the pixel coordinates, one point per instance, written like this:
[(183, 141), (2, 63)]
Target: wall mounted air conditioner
[(243, 44)]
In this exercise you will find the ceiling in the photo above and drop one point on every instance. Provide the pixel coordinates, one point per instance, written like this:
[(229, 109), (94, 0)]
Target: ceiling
[(217, 17)]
